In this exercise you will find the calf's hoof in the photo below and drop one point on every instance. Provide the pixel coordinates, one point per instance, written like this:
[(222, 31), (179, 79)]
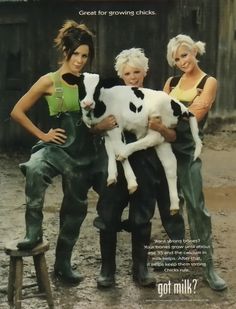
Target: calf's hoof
[(132, 189), (111, 181), (174, 209), (120, 158), (174, 212)]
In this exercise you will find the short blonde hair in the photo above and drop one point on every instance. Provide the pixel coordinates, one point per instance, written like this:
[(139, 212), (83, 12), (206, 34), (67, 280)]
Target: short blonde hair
[(134, 57), (183, 40)]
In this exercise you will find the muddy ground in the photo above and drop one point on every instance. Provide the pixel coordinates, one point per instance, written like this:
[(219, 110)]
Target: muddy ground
[(219, 173)]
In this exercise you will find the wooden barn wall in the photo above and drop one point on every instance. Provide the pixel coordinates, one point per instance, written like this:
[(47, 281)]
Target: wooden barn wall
[(226, 61), (28, 30), (199, 19)]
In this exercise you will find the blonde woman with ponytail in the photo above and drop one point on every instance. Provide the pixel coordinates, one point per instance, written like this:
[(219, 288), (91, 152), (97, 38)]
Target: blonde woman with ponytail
[(197, 90)]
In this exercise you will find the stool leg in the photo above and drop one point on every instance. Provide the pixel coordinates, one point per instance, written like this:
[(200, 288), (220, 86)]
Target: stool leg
[(11, 280), (37, 266), (42, 277), (18, 282)]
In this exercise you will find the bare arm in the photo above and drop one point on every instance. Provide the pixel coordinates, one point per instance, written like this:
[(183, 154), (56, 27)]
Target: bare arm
[(156, 124), (203, 102), (27, 101), (107, 123)]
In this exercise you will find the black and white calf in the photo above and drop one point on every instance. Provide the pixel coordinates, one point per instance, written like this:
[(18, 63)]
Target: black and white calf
[(132, 107)]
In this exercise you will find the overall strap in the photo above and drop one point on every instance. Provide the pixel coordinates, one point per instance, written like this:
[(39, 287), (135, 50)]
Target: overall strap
[(175, 79), (59, 93), (203, 81), (203, 121)]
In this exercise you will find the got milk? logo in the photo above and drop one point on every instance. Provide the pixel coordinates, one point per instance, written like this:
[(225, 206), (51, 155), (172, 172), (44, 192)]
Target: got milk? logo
[(186, 286)]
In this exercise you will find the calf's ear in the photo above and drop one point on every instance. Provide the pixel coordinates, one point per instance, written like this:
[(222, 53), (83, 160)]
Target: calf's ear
[(72, 79), (76, 80), (110, 82)]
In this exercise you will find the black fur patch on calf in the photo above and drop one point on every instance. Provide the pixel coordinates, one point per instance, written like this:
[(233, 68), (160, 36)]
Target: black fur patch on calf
[(97, 92), (135, 109), (132, 107), (186, 115), (111, 82), (138, 93), (140, 108), (176, 108), (72, 79), (81, 88), (75, 80), (99, 109)]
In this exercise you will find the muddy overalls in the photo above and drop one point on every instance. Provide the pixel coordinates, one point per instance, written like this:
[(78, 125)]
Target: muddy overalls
[(141, 203), (190, 183), (82, 163)]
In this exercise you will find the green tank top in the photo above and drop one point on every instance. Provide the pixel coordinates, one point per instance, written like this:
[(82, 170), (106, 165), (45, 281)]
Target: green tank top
[(70, 100)]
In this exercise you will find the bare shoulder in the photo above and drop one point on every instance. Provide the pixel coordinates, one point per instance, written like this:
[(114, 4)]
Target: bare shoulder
[(211, 82), (212, 79), (43, 84), (169, 80), (45, 80), (166, 87)]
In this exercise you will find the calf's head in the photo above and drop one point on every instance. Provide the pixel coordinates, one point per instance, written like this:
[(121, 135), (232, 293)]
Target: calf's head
[(88, 90)]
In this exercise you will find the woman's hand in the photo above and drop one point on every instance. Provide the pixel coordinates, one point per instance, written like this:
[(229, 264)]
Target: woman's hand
[(55, 135), (156, 124), (107, 123)]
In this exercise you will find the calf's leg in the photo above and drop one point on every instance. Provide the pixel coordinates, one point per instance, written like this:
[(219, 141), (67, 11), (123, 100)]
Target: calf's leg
[(169, 163)]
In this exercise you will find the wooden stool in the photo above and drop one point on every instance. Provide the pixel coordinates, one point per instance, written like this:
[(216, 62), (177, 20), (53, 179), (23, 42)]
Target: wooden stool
[(16, 272)]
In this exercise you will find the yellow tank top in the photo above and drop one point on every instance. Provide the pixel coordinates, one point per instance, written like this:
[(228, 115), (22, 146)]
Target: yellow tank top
[(185, 96)]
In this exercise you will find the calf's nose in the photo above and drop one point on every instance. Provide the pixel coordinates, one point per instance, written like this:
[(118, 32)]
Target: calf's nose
[(87, 105)]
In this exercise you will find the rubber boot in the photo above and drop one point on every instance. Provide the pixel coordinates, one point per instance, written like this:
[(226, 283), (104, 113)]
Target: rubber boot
[(108, 241), (62, 267), (140, 242), (214, 280), (34, 233)]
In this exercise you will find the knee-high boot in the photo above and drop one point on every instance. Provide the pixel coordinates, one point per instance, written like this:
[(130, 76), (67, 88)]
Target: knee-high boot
[(140, 242), (108, 241), (69, 233), (214, 280), (62, 267), (34, 233), (39, 175)]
